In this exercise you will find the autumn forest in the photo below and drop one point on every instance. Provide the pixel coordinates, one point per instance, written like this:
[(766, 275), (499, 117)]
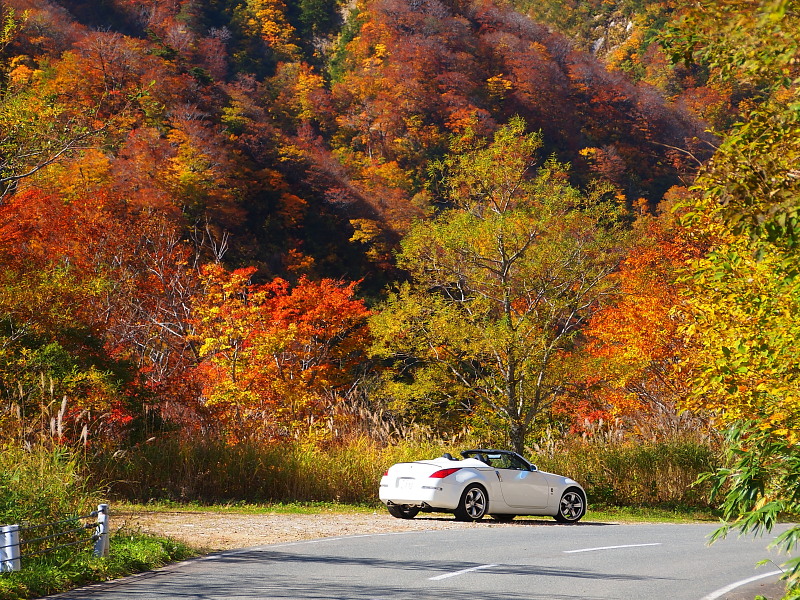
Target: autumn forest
[(513, 223)]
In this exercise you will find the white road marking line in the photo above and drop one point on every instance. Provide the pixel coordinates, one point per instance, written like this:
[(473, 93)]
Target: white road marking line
[(461, 572), (610, 548), (722, 591)]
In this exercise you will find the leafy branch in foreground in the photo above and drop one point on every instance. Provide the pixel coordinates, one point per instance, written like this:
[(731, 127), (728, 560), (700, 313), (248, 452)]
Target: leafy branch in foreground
[(760, 485)]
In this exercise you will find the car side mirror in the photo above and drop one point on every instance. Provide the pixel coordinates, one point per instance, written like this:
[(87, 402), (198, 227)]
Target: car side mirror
[(534, 468)]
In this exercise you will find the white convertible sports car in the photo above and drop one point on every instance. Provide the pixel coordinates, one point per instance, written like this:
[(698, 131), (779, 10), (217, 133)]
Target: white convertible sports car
[(494, 482)]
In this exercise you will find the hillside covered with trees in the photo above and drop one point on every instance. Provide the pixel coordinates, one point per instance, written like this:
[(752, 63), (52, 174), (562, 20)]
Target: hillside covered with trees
[(526, 224), (185, 182)]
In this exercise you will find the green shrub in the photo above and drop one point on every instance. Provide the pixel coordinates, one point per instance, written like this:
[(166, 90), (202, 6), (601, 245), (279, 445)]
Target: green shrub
[(130, 553), (49, 485)]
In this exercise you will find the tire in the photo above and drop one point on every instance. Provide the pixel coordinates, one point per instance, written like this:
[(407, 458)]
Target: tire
[(403, 511), (473, 505), (503, 518), (572, 506)]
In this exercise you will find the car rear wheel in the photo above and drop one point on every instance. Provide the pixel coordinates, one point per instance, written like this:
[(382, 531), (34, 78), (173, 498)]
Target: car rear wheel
[(571, 507), (473, 505), (403, 511)]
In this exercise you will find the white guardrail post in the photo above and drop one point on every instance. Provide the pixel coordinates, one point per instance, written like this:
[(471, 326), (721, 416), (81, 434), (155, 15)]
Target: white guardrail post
[(101, 545), (9, 548)]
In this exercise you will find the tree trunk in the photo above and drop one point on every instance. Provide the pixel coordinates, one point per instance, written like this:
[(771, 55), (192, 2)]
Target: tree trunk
[(517, 434)]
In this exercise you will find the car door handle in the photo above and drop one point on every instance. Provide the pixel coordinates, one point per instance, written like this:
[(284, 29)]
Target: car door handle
[(500, 479)]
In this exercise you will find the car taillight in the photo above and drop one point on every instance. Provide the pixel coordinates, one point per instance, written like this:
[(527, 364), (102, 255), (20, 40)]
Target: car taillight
[(442, 473), (386, 472)]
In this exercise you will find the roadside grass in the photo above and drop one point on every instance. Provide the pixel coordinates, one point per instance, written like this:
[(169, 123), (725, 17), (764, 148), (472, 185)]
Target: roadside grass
[(244, 508), (213, 471), (605, 513), (301, 474), (649, 514), (58, 572)]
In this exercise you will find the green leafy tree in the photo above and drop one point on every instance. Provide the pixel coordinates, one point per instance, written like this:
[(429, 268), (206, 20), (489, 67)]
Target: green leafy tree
[(501, 283)]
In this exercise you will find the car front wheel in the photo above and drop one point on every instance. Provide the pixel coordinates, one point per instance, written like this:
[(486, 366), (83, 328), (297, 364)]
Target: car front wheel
[(473, 505), (571, 507), (403, 511)]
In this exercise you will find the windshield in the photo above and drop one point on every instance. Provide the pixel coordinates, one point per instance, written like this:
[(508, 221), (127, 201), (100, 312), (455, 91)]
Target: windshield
[(498, 460)]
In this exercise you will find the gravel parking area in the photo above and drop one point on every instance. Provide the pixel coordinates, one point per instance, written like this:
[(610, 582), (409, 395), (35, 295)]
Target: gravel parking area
[(223, 531)]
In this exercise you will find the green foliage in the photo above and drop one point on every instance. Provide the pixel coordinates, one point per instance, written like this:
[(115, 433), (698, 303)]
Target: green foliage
[(317, 17), (10, 26), (34, 132), (129, 553), (339, 61), (753, 175), (759, 485), (589, 20), (753, 42), (479, 175)]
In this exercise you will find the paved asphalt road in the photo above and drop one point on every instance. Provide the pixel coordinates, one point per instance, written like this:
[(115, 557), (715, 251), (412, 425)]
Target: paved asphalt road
[(530, 560)]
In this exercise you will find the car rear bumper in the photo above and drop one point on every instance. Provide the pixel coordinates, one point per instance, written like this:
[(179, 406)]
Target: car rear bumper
[(425, 493)]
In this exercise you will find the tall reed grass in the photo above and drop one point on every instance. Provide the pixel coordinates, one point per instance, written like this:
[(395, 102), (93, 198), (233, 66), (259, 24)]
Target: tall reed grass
[(635, 472), (42, 485), (212, 471)]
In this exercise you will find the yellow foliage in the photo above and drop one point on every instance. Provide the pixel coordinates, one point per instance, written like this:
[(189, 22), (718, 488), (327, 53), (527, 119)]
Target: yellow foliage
[(499, 87), (20, 74), (268, 20), (77, 177), (746, 320)]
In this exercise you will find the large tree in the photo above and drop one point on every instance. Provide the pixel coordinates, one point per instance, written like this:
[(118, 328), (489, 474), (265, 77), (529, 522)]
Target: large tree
[(501, 283)]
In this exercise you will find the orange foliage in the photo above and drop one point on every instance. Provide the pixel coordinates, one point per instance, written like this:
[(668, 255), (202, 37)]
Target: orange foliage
[(131, 280), (275, 356), (640, 356)]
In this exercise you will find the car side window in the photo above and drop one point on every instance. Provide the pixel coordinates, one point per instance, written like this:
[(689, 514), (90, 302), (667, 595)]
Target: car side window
[(505, 461), (513, 462)]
